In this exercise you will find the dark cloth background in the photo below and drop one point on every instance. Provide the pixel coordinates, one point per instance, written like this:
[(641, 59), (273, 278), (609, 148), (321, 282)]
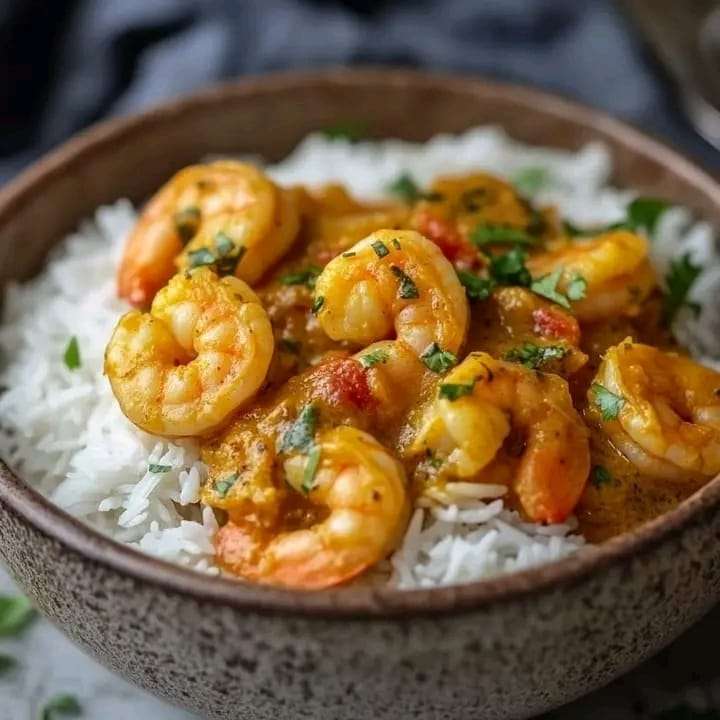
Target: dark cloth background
[(67, 63)]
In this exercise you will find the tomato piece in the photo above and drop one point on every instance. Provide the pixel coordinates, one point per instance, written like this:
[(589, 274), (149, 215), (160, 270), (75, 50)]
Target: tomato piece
[(553, 322), (344, 382), (448, 238)]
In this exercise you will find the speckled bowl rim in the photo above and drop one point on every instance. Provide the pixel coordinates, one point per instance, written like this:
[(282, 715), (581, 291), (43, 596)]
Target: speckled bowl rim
[(345, 602)]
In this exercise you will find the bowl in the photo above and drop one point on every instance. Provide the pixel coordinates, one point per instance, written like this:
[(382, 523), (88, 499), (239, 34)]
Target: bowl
[(507, 647)]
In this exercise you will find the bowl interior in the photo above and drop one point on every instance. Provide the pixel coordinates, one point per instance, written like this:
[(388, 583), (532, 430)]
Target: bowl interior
[(269, 116)]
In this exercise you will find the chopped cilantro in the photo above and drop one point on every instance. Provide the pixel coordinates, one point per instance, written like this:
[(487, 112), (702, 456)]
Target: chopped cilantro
[(349, 254), (224, 260), (546, 286), (374, 357), (600, 476), (349, 130), (380, 248), (678, 281), (437, 359), (530, 180), (476, 288), (645, 212), (58, 705), (487, 234), (396, 244), (408, 191), (187, 222), (307, 277), (407, 290), (159, 469), (576, 288), (224, 244), (509, 268), (301, 433), (16, 613), (223, 487), (535, 356), (607, 402), (7, 663), (317, 304), (311, 466), (202, 257), (290, 345), (72, 354), (453, 391), (433, 460)]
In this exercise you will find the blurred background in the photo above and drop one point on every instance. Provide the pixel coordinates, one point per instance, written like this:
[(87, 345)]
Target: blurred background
[(68, 63)]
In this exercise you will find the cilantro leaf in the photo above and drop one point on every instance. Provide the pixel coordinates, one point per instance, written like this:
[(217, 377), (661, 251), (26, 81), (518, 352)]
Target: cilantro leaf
[(476, 288), (645, 212), (546, 286), (408, 289), (600, 476), (453, 391), (509, 268), (16, 613), (380, 248), (302, 277), (576, 288), (607, 402), (158, 469), (311, 466), (535, 356), (374, 357), (318, 302), (530, 180), (679, 280), (223, 487), (72, 354), (407, 190), (301, 433), (66, 705), (487, 234), (202, 257), (349, 130), (437, 359)]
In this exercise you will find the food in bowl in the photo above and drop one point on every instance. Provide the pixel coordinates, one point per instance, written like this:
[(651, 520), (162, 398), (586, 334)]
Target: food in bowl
[(415, 364)]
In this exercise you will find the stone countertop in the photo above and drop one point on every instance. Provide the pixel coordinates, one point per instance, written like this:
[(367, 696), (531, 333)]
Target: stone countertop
[(686, 675)]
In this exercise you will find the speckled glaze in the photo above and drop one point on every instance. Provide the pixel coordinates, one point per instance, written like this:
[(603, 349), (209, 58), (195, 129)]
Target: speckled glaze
[(505, 648)]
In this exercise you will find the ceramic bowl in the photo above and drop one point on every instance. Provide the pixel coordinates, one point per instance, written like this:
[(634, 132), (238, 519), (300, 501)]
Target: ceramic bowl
[(504, 648)]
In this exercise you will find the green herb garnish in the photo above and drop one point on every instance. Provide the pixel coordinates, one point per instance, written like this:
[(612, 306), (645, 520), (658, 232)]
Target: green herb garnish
[(223, 487), (407, 290), (437, 359), (433, 460), (202, 257), (645, 212), (535, 356), (530, 180), (159, 469), (317, 304), (380, 248), (607, 402), (311, 466), (407, 190), (72, 354), (546, 286), (577, 288), (486, 234), (66, 705), (509, 268), (476, 288), (302, 277), (600, 476), (679, 280), (350, 130), (7, 663), (187, 222), (224, 244), (374, 357), (16, 613), (301, 433), (349, 254), (453, 391), (289, 345), (396, 244)]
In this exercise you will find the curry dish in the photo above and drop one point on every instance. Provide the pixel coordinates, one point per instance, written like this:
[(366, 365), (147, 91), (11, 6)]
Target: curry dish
[(341, 362)]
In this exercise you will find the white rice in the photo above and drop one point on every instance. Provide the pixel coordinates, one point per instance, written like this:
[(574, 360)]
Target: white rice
[(66, 435)]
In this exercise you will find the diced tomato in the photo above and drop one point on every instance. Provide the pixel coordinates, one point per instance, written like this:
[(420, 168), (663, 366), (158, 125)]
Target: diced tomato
[(344, 382), (553, 322), (448, 238)]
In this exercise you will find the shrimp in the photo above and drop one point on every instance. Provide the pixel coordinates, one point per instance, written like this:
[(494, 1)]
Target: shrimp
[(201, 352), (393, 278), (498, 421), (615, 267), (353, 508), (225, 215), (661, 411)]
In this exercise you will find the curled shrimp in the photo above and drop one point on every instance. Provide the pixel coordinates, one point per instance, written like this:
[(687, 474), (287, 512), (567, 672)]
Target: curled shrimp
[(355, 510), (500, 422), (225, 215), (201, 352), (663, 413), (393, 279), (615, 267)]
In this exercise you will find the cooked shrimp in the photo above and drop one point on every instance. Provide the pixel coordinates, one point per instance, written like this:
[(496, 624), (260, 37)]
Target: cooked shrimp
[(494, 419), (228, 215), (200, 353), (358, 511), (615, 267), (663, 412), (393, 279)]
